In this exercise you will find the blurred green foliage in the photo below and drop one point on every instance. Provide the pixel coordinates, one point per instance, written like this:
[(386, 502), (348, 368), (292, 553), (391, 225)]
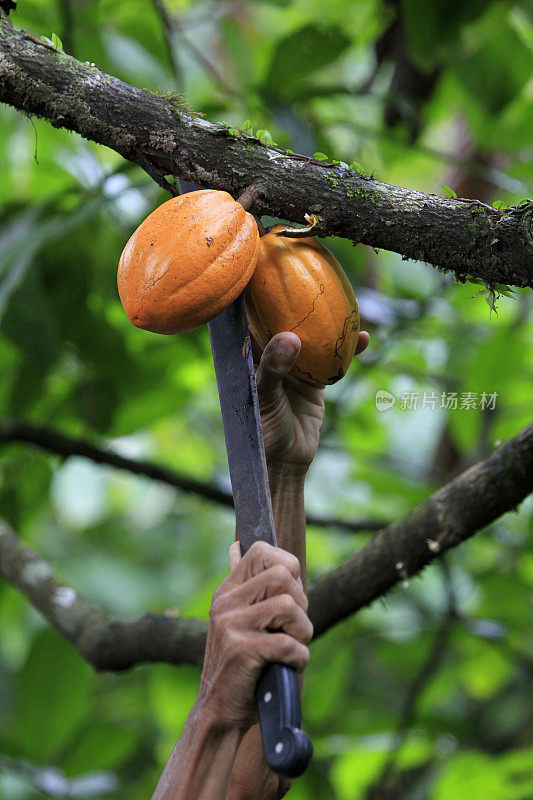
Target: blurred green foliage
[(427, 692)]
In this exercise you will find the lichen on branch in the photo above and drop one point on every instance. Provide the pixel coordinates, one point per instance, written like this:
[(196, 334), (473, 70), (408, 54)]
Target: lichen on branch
[(165, 138)]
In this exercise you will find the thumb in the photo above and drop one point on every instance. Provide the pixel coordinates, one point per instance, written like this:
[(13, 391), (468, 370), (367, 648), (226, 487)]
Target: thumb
[(277, 361), (234, 555)]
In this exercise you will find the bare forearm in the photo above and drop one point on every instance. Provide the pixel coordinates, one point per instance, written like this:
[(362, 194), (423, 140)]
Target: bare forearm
[(200, 765), (251, 777), (287, 491)]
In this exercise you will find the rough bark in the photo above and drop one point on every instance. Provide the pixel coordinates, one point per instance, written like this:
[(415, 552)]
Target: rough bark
[(454, 513), (104, 641), (157, 133)]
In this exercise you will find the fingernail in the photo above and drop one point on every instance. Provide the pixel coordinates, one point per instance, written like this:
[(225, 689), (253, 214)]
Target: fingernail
[(286, 348)]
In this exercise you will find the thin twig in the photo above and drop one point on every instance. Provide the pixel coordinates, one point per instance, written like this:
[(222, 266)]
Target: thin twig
[(40, 42), (167, 26), (56, 442), (176, 24)]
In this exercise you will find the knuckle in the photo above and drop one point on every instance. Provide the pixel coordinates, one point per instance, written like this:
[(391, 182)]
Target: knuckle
[(282, 647), (289, 651), (215, 622), (259, 549), (305, 656), (216, 606), (294, 563), (214, 610), (291, 563), (223, 626), (286, 604), (280, 576), (231, 646)]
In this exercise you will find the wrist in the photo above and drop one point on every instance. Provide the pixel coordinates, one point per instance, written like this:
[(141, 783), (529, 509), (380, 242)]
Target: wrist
[(291, 474), (287, 493), (200, 765), (206, 716)]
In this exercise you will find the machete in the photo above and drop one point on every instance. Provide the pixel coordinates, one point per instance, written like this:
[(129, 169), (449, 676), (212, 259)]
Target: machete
[(287, 749)]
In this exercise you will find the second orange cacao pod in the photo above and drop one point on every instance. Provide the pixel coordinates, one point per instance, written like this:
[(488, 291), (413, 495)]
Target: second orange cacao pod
[(299, 286)]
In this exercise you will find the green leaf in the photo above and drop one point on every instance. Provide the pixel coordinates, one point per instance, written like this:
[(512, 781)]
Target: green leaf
[(485, 672), (504, 289), (52, 696), (26, 234), (134, 60), (171, 695), (448, 192), (56, 41), (478, 777), (496, 65), (432, 26), (25, 479), (247, 127), (490, 297), (320, 156), (352, 772), (101, 745), (301, 53), (355, 165)]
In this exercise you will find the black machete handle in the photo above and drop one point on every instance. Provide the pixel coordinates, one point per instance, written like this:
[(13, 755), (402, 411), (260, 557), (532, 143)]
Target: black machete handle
[(288, 750)]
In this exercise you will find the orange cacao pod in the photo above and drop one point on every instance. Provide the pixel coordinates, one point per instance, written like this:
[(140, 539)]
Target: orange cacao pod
[(187, 261), (299, 286)]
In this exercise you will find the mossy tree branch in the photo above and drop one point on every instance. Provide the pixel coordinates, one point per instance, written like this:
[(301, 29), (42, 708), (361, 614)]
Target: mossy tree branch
[(455, 512), (164, 138)]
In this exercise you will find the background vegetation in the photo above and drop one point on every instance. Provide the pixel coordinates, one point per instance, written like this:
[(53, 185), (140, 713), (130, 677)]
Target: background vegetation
[(426, 694)]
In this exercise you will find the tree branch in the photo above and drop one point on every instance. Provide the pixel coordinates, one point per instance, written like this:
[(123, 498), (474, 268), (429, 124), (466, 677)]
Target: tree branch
[(49, 781), (163, 137), (454, 513), (105, 642), (65, 446)]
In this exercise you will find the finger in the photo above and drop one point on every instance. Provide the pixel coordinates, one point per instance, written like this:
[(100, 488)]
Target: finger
[(262, 556), (234, 555), (277, 361), (278, 647), (274, 581), (276, 613), (362, 342)]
